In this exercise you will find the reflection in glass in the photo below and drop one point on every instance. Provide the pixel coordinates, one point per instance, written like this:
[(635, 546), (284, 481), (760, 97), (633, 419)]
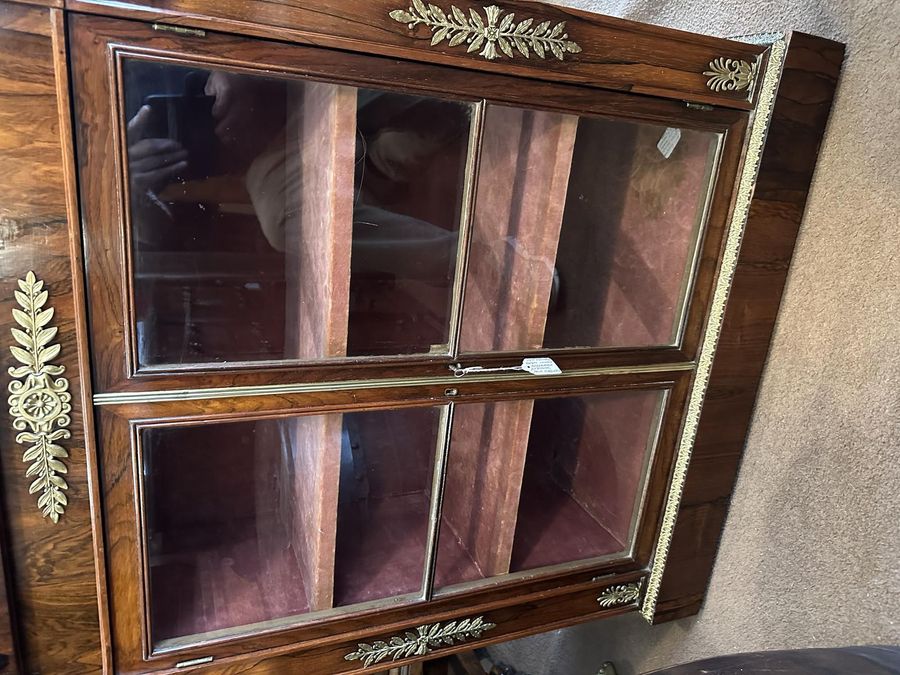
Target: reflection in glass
[(533, 484), (255, 521), (276, 218), (585, 231)]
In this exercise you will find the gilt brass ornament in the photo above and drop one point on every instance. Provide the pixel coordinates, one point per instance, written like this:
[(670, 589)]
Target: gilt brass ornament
[(423, 641), (39, 401), (623, 594), (493, 34), (730, 75)]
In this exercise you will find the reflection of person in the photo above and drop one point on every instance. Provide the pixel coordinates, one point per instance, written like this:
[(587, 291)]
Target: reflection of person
[(247, 112), (152, 162), (250, 118), (216, 169)]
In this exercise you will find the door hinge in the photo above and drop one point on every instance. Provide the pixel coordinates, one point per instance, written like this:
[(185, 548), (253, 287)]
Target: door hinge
[(180, 30)]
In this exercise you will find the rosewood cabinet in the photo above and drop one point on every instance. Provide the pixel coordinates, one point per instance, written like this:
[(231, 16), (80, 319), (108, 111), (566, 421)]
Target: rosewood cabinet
[(343, 334)]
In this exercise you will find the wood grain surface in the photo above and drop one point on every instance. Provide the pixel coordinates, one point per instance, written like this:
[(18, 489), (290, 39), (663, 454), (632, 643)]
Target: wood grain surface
[(616, 54), (51, 566), (788, 163)]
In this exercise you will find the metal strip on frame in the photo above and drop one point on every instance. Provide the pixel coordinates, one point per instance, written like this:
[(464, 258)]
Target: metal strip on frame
[(439, 479), (124, 398), (467, 223), (755, 145)]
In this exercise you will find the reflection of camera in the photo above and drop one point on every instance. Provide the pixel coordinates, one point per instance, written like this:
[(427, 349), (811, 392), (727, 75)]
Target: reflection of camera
[(187, 119)]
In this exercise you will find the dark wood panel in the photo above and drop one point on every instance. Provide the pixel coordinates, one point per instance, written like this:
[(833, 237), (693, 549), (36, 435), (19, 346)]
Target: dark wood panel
[(798, 125), (9, 658), (617, 54), (512, 621), (51, 566), (39, 3)]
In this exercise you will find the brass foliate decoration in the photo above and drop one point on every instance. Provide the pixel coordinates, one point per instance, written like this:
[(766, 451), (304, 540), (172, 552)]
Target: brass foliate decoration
[(425, 640), (490, 33), (623, 594), (39, 401), (730, 75)]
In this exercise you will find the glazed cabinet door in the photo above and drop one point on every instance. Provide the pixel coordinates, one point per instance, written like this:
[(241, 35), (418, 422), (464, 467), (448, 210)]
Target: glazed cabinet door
[(247, 523), (380, 342)]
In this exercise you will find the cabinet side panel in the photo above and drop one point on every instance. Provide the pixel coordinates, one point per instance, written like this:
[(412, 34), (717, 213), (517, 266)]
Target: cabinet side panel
[(800, 116), (51, 566)]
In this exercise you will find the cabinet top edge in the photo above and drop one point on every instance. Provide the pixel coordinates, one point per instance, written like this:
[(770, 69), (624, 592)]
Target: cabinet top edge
[(576, 47)]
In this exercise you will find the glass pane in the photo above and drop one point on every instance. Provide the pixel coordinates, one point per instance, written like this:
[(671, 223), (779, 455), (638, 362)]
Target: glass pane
[(284, 219), (384, 505), (585, 231), (533, 484), (249, 522)]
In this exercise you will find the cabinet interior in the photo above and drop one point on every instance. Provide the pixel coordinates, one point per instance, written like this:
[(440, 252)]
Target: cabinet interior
[(325, 226), (248, 522), (534, 484), (330, 225)]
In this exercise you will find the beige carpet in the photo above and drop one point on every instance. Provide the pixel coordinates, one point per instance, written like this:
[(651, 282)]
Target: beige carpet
[(811, 552)]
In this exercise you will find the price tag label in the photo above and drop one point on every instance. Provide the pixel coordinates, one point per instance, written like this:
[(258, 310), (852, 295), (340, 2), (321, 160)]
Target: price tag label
[(544, 366), (669, 141)]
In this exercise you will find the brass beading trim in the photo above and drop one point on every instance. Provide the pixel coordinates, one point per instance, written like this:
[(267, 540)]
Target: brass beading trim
[(755, 144)]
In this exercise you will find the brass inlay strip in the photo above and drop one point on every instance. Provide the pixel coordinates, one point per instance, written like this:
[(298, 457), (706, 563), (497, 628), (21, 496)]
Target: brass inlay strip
[(439, 480), (350, 385), (179, 30), (746, 187), (497, 30), (194, 662), (466, 224), (39, 401), (423, 641)]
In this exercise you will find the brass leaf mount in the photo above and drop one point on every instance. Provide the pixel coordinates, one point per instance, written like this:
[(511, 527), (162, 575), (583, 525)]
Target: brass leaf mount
[(495, 34), (39, 400), (622, 594), (730, 75), (423, 641)]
